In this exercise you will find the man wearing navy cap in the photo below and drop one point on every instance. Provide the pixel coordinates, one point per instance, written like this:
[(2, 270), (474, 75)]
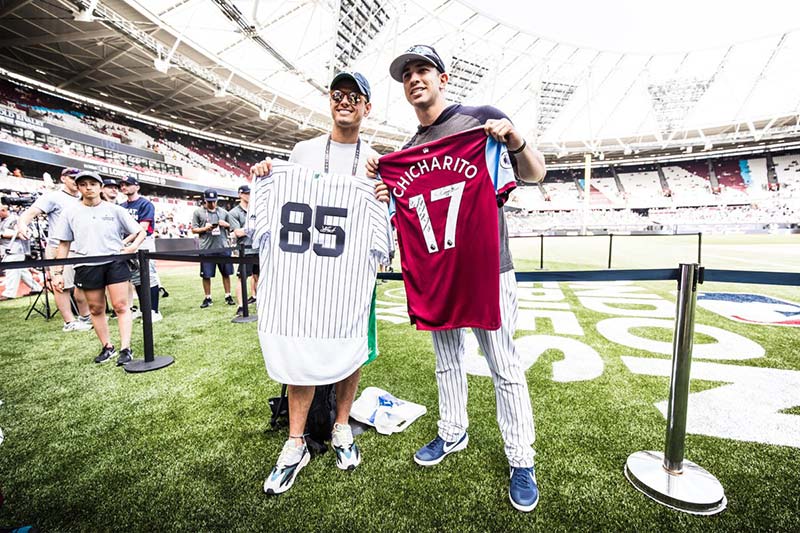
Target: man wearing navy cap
[(211, 224), (238, 217), (144, 212), (342, 151), (110, 190), (424, 77)]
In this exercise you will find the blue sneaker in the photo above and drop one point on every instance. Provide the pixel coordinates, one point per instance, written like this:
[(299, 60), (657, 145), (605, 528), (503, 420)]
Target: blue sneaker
[(436, 450), (523, 491)]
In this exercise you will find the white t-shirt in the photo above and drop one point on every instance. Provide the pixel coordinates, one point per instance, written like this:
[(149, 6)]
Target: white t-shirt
[(95, 230), (311, 154), (320, 238), (53, 204)]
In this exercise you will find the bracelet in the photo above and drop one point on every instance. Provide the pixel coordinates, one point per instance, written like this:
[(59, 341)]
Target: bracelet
[(520, 149)]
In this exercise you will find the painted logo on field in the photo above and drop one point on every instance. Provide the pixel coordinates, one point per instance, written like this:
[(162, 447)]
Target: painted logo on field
[(751, 308)]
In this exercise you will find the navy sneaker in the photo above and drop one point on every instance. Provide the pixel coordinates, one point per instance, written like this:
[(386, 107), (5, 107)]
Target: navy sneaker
[(125, 357), (436, 450), (106, 354), (523, 491)]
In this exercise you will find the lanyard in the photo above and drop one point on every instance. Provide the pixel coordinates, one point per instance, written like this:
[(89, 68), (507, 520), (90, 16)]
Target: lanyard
[(328, 156)]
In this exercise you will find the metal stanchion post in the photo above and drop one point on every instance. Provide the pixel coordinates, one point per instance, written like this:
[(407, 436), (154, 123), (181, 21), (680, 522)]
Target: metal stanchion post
[(668, 478), (610, 244), (699, 248), (541, 251), (150, 362), (246, 316)]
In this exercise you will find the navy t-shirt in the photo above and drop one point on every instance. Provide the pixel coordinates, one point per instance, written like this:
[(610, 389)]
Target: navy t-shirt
[(142, 209)]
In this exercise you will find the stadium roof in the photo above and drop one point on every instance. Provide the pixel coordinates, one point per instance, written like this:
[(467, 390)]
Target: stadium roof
[(226, 66)]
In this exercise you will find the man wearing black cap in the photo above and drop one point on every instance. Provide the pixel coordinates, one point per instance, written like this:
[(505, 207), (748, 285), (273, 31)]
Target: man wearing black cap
[(238, 218), (211, 224), (424, 77), (144, 212), (342, 151), (95, 228), (53, 204)]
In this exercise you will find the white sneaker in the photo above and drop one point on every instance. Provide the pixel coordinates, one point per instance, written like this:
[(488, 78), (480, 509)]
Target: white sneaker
[(348, 456), (136, 313), (77, 325), (292, 459), (157, 317)]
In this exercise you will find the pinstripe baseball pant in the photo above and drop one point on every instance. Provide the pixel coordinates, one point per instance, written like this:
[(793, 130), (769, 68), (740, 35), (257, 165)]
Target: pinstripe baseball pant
[(514, 412)]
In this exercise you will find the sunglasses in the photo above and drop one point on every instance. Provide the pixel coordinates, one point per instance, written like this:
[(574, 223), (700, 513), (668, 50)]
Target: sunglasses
[(353, 97)]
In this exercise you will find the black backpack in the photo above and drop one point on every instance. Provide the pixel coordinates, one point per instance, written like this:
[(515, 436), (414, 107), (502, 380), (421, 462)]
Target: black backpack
[(321, 416)]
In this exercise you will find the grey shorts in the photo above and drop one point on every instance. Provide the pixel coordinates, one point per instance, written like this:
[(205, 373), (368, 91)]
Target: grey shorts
[(154, 281)]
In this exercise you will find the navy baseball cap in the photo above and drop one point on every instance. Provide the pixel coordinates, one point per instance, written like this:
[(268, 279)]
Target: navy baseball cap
[(418, 52), (129, 180), (210, 195), (244, 189), (357, 78), (110, 182), (69, 171), (87, 174)]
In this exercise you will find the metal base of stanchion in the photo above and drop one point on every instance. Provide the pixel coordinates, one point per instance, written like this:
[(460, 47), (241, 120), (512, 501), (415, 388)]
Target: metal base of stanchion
[(244, 319), (693, 491), (140, 365)]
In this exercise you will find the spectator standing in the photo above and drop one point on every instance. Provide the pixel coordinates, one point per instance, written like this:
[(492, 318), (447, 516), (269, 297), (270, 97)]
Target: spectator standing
[(238, 216), (13, 250), (144, 212), (53, 204), (110, 190), (94, 228), (3, 170), (212, 224)]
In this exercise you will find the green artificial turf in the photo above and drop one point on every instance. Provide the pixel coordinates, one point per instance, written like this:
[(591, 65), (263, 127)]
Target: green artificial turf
[(186, 448)]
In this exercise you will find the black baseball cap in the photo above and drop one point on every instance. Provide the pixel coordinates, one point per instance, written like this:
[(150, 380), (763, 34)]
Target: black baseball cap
[(110, 182), (418, 52), (129, 180), (244, 189), (210, 195), (357, 78), (88, 174)]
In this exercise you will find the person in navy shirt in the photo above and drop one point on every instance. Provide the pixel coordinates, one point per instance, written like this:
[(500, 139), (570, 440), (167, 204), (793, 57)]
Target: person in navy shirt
[(144, 212)]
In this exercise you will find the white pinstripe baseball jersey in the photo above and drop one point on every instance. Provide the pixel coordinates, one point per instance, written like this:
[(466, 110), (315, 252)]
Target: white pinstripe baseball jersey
[(320, 238)]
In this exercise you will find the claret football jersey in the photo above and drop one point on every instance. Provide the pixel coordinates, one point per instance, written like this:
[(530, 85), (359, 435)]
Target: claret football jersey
[(445, 202)]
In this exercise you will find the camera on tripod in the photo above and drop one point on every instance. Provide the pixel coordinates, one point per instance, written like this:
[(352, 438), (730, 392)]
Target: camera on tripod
[(21, 199)]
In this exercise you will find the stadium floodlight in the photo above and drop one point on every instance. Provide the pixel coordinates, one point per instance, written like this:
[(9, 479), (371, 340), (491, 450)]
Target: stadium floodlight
[(465, 75), (358, 23), (222, 90), (161, 65), (87, 15), (553, 97), (266, 109)]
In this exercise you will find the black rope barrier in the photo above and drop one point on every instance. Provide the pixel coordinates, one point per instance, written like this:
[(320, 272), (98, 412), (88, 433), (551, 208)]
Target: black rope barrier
[(151, 362)]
